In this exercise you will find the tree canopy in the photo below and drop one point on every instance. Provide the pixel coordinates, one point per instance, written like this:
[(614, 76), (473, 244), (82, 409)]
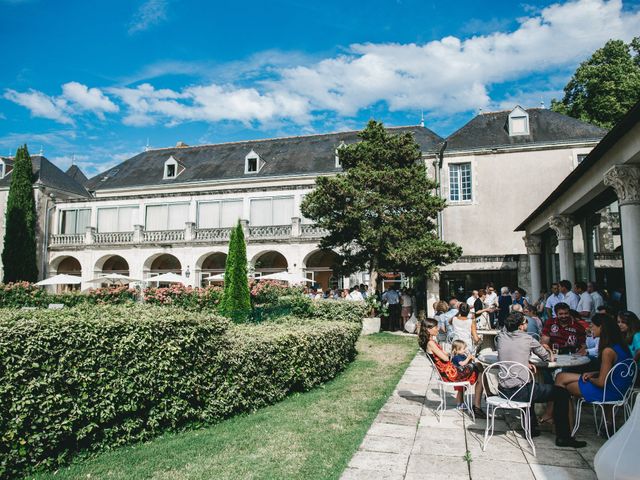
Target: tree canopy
[(19, 252), (381, 211), (604, 87)]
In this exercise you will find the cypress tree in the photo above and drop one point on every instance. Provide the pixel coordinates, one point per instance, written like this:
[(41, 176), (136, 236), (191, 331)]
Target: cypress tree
[(236, 300), (19, 252)]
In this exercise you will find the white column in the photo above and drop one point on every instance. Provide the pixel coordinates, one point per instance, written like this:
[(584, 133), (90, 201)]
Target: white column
[(534, 250), (625, 180), (563, 226)]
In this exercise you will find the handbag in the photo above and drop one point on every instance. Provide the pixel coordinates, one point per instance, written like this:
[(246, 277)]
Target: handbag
[(410, 325)]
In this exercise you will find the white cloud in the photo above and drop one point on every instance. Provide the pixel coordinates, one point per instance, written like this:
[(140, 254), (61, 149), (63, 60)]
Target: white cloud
[(41, 105), (91, 99), (150, 13), (75, 98), (446, 76)]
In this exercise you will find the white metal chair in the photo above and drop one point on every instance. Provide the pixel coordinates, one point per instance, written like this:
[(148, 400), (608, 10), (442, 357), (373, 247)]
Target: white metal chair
[(442, 406), (504, 371), (627, 370)]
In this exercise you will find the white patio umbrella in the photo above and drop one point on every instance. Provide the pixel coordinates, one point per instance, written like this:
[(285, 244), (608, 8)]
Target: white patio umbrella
[(61, 279), (169, 278), (113, 278), (292, 278), (215, 278)]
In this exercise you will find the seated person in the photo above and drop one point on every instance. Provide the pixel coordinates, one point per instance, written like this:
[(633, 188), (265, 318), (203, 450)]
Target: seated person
[(612, 350), (461, 359), (515, 345), (534, 324), (564, 331), (448, 371)]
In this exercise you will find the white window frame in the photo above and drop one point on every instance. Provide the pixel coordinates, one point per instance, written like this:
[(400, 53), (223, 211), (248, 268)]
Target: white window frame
[(252, 155), (63, 213), (171, 162), (2, 168), (278, 197), (118, 207), (518, 113), (458, 166), (221, 204), (163, 204)]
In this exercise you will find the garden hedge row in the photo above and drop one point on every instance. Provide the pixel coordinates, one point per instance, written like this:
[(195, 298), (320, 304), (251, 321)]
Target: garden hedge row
[(86, 378)]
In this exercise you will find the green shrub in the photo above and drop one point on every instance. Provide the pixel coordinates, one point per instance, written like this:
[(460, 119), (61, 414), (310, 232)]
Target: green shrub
[(207, 298), (89, 377), (345, 311), (267, 292), (22, 294)]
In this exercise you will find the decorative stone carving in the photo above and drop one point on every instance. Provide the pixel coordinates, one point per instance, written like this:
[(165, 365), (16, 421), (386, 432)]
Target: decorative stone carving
[(563, 226), (625, 180), (533, 244)]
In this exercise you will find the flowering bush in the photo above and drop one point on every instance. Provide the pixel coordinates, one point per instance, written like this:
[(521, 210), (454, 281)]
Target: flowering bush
[(185, 297), (268, 291), (112, 295), (22, 294)]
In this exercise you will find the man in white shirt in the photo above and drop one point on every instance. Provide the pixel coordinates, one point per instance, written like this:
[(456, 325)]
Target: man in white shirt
[(553, 299), (570, 298), (598, 301), (392, 298), (472, 299), (355, 294), (585, 304)]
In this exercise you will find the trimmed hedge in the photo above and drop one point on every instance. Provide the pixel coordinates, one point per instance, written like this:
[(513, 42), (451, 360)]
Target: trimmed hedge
[(86, 378), (339, 310)]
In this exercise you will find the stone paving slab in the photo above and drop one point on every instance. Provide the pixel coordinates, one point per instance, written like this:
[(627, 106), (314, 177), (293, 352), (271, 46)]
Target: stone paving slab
[(408, 442)]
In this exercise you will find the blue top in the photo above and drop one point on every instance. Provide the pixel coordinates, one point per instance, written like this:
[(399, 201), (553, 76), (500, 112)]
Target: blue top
[(617, 383), (635, 345), (457, 359)]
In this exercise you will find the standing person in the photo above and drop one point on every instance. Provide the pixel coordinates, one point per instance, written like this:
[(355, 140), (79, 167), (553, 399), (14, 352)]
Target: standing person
[(596, 298), (443, 315), (442, 361), (406, 302), (481, 312), (491, 302), (464, 328), (472, 299), (570, 298), (355, 294), (553, 299), (392, 298), (585, 304), (520, 297), (504, 304), (514, 345), (630, 328)]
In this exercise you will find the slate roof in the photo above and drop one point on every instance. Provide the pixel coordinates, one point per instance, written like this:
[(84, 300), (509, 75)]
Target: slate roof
[(74, 172), (311, 154), (491, 130), (47, 174)]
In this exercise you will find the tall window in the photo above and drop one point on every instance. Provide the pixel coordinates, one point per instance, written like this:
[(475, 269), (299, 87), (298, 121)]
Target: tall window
[(220, 214), (459, 182), (74, 221), (117, 219), (271, 211), (169, 216)]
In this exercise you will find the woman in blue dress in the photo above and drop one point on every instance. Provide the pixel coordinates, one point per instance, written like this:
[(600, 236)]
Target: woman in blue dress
[(612, 350)]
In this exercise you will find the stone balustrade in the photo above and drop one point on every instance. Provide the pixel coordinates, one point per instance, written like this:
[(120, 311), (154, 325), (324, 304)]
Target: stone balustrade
[(190, 234)]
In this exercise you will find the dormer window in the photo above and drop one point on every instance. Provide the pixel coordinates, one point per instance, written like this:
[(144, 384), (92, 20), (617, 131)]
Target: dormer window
[(338, 162), (518, 122), (2, 172), (172, 168), (253, 162)]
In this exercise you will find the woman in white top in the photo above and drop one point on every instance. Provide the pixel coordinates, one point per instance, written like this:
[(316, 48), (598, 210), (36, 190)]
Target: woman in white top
[(405, 300), (464, 328)]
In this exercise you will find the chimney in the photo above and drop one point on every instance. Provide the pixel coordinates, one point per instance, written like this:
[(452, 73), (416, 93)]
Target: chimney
[(181, 144)]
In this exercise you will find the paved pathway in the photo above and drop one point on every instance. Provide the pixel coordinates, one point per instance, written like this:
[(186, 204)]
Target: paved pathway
[(407, 442)]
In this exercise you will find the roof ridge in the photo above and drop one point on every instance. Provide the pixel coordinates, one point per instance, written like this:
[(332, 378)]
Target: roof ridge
[(273, 139)]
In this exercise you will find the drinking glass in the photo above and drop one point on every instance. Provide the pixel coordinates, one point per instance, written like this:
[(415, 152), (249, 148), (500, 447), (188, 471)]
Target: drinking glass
[(555, 348)]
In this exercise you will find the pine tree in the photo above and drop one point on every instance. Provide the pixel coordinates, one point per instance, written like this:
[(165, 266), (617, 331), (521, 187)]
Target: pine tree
[(236, 300), (19, 253)]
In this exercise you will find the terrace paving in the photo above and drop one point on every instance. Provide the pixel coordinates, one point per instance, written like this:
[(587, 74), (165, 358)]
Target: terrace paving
[(408, 442)]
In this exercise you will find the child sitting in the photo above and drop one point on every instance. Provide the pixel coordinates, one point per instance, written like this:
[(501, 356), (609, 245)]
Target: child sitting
[(461, 359)]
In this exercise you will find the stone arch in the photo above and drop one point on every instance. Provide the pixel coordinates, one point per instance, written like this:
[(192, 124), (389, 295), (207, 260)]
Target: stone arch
[(162, 263), (212, 263), (66, 264), (320, 265), (112, 264), (270, 261)]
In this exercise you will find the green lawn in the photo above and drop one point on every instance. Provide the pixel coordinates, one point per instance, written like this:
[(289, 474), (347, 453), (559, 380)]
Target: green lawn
[(307, 436)]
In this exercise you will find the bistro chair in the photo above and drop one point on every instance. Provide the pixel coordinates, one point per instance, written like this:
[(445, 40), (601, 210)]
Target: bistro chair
[(496, 399), (627, 369), (441, 383)]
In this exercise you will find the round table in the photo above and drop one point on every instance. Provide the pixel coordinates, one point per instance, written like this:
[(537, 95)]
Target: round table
[(562, 361), (488, 338)]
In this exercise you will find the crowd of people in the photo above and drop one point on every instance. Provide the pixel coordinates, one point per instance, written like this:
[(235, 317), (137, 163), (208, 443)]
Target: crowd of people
[(575, 320)]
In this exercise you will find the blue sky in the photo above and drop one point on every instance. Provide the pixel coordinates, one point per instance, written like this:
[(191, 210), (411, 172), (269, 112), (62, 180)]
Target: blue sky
[(92, 81)]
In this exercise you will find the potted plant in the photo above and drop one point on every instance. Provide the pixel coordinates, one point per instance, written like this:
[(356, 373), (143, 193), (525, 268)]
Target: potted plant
[(371, 324)]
